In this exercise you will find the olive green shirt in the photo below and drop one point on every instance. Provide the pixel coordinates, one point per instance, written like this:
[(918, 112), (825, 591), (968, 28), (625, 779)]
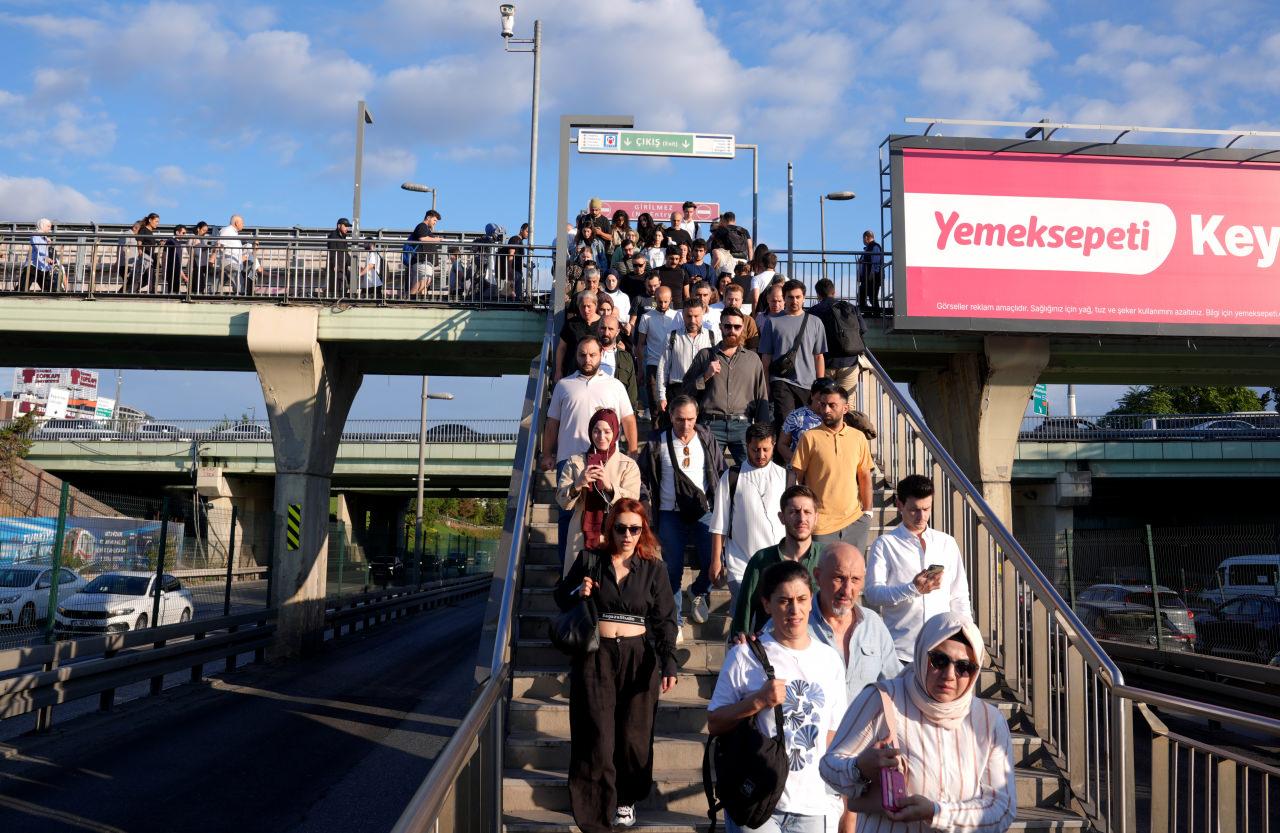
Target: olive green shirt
[(748, 612)]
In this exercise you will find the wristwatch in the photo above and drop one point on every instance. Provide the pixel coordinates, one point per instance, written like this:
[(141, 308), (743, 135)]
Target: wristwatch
[(860, 784)]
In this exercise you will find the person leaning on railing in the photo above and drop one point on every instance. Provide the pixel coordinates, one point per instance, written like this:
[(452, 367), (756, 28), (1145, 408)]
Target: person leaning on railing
[(613, 691)]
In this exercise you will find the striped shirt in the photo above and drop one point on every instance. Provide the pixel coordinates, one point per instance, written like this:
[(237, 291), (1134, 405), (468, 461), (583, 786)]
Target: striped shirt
[(966, 771)]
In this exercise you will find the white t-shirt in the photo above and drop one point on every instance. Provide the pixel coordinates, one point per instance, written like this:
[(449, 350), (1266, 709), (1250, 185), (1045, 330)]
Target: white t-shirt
[(575, 400), (621, 305), (814, 706), (654, 326), (228, 239), (609, 361), (695, 471), (711, 320), (760, 282), (372, 277), (755, 516)]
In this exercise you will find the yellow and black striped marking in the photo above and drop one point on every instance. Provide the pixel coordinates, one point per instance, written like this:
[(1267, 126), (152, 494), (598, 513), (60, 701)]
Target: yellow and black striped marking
[(293, 528)]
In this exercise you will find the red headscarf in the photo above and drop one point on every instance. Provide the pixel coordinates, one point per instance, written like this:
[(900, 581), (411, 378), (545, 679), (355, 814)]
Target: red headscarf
[(595, 506)]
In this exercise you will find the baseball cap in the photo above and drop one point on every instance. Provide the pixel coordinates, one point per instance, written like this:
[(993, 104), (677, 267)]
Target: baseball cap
[(343, 221), (595, 203)]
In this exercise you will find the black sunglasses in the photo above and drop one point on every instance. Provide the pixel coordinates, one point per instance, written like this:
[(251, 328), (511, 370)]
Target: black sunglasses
[(940, 662), (623, 529)]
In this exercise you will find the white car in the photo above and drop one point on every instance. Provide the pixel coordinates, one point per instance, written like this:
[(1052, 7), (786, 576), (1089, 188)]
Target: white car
[(123, 601), (24, 592)]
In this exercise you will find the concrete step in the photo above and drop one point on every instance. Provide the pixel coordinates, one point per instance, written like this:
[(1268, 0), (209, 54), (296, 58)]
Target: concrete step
[(652, 821), (544, 511), (681, 790), (551, 717), (546, 575), (533, 624), (692, 655), (541, 553), (543, 599), (551, 683)]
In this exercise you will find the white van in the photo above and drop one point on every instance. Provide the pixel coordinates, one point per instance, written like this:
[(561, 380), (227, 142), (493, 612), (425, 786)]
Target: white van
[(1243, 574)]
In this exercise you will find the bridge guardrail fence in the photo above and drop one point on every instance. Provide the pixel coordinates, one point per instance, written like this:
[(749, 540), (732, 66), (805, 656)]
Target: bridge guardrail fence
[(486, 431), (1263, 425), (251, 267)]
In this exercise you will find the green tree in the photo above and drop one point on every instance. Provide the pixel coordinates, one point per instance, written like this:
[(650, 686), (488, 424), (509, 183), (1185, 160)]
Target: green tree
[(495, 512), (1205, 399), (15, 443)]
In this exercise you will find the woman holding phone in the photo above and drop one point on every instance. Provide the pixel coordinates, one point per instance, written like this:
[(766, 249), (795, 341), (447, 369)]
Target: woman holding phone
[(950, 753), (593, 481), (613, 691)]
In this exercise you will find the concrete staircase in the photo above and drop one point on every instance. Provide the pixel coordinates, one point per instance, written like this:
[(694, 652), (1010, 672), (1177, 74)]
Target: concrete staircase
[(535, 792)]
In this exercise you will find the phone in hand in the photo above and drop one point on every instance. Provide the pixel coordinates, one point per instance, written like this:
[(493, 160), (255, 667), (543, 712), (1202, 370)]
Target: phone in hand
[(893, 788), (934, 570)]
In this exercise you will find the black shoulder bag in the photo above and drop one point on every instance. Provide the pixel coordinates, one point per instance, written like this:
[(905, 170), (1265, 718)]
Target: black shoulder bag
[(785, 364), (691, 502), (750, 769), (577, 630)]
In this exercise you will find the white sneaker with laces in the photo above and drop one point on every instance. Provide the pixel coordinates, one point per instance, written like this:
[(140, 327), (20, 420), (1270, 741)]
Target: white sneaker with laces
[(625, 816), (679, 634), (701, 610)]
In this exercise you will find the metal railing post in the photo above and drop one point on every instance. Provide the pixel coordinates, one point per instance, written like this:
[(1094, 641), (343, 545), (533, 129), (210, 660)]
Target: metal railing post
[(1155, 593), (231, 560), (55, 571), (1121, 811), (164, 541)]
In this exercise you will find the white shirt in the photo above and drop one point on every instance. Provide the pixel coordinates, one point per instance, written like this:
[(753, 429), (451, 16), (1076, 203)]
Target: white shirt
[(371, 278), (755, 514), (815, 703), (711, 321), (228, 240), (695, 471), (760, 282), (895, 559), (678, 353), (575, 400), (609, 361), (654, 326), (621, 305), (718, 307)]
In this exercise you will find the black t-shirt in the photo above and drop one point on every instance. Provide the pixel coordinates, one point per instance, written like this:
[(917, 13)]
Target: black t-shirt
[(672, 277), (733, 238), (423, 230), (516, 244), (571, 333), (676, 236)]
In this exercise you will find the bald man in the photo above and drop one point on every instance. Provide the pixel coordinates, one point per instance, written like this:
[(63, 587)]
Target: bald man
[(839, 619)]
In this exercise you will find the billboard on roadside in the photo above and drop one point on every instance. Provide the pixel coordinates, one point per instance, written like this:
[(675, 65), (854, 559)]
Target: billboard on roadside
[(99, 544), (1000, 235), (32, 385)]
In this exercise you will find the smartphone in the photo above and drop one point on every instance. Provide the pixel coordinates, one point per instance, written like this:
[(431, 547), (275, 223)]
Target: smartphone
[(893, 788), (934, 569)]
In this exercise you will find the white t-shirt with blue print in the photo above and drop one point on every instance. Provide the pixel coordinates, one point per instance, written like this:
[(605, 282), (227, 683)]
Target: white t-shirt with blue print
[(814, 706)]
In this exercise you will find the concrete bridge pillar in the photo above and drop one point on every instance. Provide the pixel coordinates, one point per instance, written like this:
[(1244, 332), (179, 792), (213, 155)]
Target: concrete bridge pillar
[(975, 407), (308, 390)]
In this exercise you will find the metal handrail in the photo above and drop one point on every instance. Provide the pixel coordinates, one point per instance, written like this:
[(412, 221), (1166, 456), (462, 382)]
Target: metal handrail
[(1026, 566)]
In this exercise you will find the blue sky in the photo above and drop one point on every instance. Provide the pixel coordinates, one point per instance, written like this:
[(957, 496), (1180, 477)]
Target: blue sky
[(198, 110)]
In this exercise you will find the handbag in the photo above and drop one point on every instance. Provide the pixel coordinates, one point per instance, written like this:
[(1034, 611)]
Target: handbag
[(576, 631), (750, 768), (892, 782), (691, 502), (785, 365)]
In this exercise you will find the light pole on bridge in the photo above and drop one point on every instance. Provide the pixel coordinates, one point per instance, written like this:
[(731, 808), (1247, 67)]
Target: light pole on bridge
[(422, 467)]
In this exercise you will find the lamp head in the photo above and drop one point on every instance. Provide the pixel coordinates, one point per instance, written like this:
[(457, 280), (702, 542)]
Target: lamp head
[(840, 195), (414, 186), (508, 12)]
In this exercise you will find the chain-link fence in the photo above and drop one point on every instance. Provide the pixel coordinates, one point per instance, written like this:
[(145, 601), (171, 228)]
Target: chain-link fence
[(77, 563), (1212, 590), (357, 568)]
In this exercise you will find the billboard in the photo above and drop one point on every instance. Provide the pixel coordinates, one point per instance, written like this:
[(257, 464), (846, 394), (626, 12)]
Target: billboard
[(1001, 235), (32, 386), (93, 544), (661, 211)]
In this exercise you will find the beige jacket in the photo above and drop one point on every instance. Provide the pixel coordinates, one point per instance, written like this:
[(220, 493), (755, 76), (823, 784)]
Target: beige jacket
[(623, 475)]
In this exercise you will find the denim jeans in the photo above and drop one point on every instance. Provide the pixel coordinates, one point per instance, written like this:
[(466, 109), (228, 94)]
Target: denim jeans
[(781, 822), (674, 534), (731, 433)]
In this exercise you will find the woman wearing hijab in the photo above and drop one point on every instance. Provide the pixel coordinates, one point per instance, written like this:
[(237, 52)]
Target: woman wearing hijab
[(613, 691), (593, 481), (952, 748)]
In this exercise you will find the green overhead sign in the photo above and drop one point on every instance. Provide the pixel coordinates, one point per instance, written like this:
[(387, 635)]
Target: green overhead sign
[(1040, 400), (651, 143)]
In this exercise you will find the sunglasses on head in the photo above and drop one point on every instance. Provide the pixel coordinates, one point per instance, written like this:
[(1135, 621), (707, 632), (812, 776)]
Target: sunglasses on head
[(940, 662), (624, 529)]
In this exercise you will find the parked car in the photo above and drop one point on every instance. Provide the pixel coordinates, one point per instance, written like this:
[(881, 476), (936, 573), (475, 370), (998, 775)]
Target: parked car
[(1247, 627), (243, 432), (161, 432), (453, 432), (1242, 575), (76, 429), (24, 593), (1063, 428), (123, 601), (1127, 613), (385, 571)]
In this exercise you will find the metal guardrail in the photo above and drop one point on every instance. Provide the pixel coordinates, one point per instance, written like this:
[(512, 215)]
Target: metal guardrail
[(276, 269), (480, 431), (1252, 686), (463, 791), (80, 668), (1149, 427)]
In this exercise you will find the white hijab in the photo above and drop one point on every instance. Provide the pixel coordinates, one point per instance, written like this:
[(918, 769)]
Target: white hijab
[(936, 630)]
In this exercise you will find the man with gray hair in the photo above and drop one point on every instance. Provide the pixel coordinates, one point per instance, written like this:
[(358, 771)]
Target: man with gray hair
[(231, 253)]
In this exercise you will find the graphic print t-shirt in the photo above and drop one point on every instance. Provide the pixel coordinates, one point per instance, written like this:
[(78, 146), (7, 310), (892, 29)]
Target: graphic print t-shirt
[(815, 704)]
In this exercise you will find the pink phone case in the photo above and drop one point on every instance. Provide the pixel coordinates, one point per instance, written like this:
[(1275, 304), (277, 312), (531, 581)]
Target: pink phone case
[(893, 788)]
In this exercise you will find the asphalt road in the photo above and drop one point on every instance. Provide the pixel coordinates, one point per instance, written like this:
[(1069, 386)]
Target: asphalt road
[(339, 742)]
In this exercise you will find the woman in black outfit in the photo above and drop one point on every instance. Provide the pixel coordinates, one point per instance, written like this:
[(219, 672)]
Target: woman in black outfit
[(613, 692)]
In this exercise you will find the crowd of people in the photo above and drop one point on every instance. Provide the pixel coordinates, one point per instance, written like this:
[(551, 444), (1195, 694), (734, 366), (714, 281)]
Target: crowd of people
[(754, 463)]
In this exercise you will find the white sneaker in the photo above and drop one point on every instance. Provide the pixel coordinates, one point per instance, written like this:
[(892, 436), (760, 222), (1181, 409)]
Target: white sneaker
[(701, 610), (625, 816), (679, 634)]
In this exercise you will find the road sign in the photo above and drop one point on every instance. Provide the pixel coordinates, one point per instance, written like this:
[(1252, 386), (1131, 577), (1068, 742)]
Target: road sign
[(1040, 400), (651, 143), (660, 210)]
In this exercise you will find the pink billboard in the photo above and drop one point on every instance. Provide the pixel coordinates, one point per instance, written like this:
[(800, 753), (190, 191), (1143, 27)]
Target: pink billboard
[(661, 211), (1172, 244)]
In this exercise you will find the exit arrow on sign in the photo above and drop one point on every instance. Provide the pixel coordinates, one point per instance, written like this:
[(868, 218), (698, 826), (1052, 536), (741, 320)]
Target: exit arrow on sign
[(657, 143)]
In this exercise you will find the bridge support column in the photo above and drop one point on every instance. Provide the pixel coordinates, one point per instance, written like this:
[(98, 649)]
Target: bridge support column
[(308, 391), (975, 407)]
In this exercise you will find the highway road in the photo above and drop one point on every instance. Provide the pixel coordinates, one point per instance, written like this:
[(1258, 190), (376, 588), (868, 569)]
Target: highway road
[(335, 743)]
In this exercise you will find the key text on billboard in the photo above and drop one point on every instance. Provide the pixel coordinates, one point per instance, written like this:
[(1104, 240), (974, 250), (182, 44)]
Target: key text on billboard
[(1142, 240)]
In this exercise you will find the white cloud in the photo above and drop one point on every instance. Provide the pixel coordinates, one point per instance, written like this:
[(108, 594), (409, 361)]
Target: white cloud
[(165, 186), (26, 198), (53, 85)]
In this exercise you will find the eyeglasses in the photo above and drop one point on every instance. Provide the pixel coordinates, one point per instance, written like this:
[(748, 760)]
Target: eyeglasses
[(623, 529), (687, 459), (940, 662), (725, 325)]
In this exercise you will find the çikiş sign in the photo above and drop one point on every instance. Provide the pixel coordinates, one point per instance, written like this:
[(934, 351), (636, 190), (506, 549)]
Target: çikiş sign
[(1072, 238)]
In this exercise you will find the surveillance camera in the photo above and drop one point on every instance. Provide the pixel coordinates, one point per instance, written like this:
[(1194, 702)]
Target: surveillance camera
[(508, 12)]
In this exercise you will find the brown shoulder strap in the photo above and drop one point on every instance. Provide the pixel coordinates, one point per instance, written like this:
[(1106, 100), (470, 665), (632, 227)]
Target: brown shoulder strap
[(890, 715)]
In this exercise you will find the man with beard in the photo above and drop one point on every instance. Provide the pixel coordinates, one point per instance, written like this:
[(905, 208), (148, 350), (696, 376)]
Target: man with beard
[(834, 460), (615, 361), (729, 383), (798, 513)]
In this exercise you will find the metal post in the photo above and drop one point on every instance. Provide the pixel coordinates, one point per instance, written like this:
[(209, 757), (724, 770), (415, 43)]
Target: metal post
[(1155, 595), (755, 189), (164, 540), (1071, 400), (342, 556), (362, 114), (1071, 568), (56, 562), (822, 226), (533, 131), (422, 465), (790, 216), (231, 560)]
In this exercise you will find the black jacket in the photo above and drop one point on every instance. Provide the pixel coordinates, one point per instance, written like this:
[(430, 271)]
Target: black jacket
[(650, 463)]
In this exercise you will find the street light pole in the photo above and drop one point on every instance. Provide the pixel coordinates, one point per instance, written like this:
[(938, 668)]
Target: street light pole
[(363, 117), (755, 189), (508, 13), (422, 470), (790, 216)]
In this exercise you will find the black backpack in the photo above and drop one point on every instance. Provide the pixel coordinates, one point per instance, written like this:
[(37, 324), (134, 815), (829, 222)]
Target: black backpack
[(750, 769), (845, 329)]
